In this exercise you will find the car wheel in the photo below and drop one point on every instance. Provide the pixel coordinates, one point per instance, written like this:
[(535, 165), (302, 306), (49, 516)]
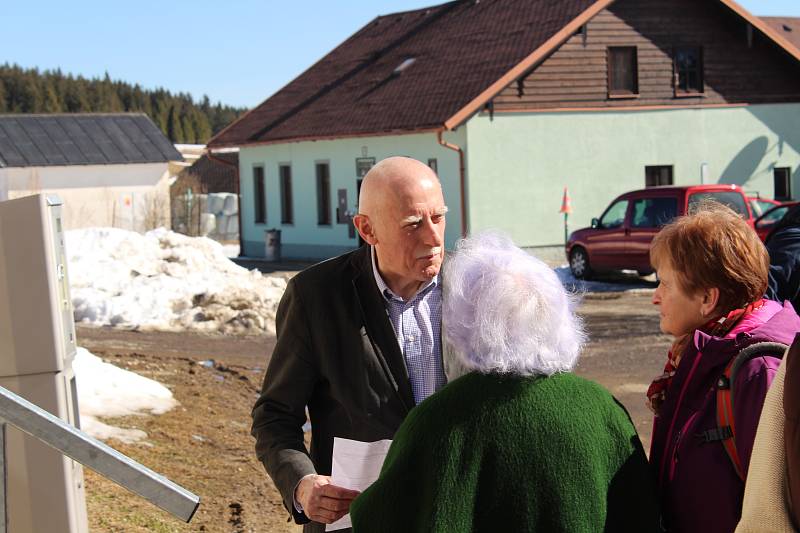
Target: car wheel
[(579, 263)]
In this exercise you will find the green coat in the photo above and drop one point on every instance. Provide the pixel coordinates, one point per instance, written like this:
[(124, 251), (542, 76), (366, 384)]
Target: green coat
[(501, 453)]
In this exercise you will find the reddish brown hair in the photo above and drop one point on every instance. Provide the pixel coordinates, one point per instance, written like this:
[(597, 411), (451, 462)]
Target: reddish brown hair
[(713, 247)]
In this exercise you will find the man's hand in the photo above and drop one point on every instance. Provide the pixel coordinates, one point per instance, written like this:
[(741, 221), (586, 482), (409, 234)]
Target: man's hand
[(321, 501)]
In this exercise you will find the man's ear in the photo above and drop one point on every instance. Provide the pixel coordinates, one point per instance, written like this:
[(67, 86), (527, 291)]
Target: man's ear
[(365, 228), (710, 301)]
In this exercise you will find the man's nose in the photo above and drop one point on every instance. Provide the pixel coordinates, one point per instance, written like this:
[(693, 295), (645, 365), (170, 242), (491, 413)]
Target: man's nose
[(432, 234)]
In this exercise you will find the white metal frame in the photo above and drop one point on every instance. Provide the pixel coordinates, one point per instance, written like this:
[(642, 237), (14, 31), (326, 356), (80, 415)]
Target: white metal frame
[(90, 452)]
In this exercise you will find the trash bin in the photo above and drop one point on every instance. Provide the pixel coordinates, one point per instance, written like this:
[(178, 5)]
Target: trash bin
[(272, 240)]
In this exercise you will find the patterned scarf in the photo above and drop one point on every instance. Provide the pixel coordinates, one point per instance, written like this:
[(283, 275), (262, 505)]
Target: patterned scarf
[(718, 327)]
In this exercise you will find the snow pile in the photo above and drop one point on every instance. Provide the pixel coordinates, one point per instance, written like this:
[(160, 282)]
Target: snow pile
[(166, 281), (105, 390)]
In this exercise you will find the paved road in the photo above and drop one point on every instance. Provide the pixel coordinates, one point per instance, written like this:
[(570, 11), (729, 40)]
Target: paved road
[(625, 350)]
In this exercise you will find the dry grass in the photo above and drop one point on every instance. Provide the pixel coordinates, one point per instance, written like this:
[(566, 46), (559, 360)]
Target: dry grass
[(204, 445)]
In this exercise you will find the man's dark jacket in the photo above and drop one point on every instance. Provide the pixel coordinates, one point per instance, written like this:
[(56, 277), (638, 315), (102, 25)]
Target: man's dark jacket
[(783, 246), (337, 353)]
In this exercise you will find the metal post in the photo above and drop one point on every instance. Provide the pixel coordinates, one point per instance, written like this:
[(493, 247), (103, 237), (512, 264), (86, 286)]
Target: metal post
[(3, 479), (189, 211), (97, 455)]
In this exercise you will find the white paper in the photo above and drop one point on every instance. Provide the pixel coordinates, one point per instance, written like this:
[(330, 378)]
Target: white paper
[(356, 465)]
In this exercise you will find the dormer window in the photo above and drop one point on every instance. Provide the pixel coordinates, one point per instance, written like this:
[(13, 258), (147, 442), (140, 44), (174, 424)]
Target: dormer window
[(404, 65)]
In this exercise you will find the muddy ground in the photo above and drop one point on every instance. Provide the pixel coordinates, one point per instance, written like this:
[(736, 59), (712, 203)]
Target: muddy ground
[(204, 444)]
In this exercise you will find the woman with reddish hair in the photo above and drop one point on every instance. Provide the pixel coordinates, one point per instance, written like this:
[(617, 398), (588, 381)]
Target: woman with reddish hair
[(713, 272)]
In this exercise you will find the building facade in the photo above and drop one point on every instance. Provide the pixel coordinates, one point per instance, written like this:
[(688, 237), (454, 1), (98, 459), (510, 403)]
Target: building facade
[(601, 97)]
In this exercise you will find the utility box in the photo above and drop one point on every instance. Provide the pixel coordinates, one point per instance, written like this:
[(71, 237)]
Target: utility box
[(44, 488), (272, 245)]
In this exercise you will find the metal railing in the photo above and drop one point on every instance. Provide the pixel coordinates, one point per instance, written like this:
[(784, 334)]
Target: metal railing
[(90, 452)]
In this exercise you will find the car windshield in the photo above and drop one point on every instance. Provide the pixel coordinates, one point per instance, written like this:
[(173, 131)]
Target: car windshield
[(614, 216), (732, 199)]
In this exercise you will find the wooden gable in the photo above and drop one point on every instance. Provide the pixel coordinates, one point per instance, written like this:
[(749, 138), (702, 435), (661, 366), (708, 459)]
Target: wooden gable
[(740, 65)]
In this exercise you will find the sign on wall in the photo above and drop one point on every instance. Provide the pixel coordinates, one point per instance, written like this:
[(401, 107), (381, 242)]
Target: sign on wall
[(363, 164)]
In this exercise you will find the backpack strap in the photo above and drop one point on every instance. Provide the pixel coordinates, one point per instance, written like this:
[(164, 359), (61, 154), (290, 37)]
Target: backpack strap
[(725, 432)]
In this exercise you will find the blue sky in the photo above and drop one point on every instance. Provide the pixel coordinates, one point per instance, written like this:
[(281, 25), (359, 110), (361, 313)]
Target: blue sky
[(239, 52)]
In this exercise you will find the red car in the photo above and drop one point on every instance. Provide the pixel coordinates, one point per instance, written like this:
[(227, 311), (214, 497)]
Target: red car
[(767, 221), (620, 238)]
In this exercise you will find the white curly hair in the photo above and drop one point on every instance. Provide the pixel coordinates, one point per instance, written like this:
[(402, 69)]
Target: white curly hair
[(506, 311)]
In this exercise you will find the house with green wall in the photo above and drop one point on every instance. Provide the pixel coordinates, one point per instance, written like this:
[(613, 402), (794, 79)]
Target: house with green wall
[(511, 101)]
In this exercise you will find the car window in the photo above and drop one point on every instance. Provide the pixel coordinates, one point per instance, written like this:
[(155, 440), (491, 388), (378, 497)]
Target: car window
[(773, 216), (653, 212), (732, 199), (760, 206), (614, 216)]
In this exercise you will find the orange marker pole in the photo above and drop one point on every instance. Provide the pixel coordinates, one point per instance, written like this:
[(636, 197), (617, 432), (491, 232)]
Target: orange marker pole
[(566, 208)]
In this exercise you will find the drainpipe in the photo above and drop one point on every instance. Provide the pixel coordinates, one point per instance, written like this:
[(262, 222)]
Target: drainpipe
[(462, 179), (212, 157)]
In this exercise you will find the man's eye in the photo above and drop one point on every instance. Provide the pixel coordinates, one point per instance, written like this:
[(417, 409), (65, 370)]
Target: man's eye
[(437, 218)]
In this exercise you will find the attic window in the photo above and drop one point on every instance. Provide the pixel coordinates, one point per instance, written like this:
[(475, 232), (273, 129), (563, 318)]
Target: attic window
[(404, 65), (787, 28)]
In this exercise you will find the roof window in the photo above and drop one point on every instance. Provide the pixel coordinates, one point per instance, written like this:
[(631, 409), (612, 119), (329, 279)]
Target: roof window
[(404, 65)]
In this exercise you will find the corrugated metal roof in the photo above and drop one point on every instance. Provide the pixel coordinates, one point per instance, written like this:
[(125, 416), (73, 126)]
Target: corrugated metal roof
[(82, 139)]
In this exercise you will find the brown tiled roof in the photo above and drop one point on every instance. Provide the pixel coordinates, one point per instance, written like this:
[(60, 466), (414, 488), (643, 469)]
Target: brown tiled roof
[(461, 48), (466, 51), (787, 27), (214, 176)]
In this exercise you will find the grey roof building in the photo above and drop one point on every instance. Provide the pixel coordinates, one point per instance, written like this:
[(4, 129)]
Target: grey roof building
[(82, 139), (109, 169)]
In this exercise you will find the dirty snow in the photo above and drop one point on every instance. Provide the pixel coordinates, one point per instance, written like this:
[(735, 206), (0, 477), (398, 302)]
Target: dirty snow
[(105, 390), (166, 281), (627, 281)]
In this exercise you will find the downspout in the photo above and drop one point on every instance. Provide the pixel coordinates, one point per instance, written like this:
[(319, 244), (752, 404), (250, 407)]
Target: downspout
[(212, 157), (462, 179)]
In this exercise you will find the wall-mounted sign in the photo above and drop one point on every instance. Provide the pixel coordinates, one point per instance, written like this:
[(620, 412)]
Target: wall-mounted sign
[(363, 164)]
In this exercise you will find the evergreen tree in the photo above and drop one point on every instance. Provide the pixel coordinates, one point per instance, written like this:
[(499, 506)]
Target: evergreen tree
[(30, 97), (76, 96), (202, 129), (3, 103), (161, 113), (188, 128), (174, 129), (52, 104)]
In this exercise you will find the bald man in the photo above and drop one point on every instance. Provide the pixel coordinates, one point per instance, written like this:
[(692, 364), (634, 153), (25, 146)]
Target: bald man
[(358, 341)]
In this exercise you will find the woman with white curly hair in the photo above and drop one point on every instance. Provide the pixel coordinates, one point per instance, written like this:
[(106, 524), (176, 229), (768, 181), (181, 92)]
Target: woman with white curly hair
[(518, 443)]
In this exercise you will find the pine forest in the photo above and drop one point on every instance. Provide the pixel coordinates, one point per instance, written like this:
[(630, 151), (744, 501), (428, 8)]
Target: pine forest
[(50, 91)]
